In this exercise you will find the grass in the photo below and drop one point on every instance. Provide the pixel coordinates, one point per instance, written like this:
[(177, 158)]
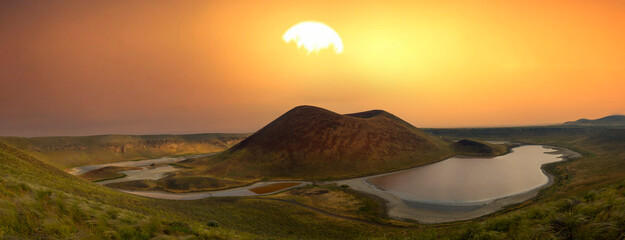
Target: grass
[(598, 214), (342, 201), (38, 201)]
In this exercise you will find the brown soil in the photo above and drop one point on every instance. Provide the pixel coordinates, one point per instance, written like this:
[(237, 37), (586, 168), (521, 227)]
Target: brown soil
[(273, 187)]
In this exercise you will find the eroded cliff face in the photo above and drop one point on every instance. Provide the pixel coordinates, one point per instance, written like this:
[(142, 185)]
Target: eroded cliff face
[(224, 142), (167, 144), (62, 147), (159, 144), (128, 144), (68, 152)]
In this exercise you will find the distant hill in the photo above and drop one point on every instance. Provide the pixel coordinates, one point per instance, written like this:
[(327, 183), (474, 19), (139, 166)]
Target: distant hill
[(311, 142), (613, 121), (67, 152)]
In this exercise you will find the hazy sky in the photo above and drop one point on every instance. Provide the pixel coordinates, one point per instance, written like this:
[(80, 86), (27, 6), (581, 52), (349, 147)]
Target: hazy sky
[(137, 67)]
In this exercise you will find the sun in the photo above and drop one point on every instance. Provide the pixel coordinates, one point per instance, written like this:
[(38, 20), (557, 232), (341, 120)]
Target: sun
[(314, 36)]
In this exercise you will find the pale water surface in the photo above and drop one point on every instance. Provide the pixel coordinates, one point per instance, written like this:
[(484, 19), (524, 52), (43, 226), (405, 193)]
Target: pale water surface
[(471, 180), (151, 169)]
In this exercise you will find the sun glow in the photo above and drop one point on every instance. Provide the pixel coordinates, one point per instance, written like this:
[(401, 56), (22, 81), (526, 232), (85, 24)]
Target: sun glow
[(314, 36)]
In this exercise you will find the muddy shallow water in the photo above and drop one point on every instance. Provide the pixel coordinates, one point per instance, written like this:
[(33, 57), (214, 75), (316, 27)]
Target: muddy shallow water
[(139, 163), (155, 169)]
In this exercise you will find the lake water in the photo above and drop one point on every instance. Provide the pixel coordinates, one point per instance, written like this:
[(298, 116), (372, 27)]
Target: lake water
[(466, 181)]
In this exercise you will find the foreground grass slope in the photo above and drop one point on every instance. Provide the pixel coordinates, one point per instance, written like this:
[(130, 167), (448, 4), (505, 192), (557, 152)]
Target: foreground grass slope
[(68, 152), (39, 201)]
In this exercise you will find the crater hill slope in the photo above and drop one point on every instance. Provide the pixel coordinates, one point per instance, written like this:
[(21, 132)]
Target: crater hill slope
[(313, 143)]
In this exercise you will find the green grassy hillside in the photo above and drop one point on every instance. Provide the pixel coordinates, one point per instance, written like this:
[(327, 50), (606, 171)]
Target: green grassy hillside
[(68, 152), (38, 201)]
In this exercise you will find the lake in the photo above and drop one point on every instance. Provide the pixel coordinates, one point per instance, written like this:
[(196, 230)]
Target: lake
[(466, 181)]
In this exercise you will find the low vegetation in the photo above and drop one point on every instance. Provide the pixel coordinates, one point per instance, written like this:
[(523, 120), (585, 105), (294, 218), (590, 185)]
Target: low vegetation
[(596, 214), (342, 201), (179, 184)]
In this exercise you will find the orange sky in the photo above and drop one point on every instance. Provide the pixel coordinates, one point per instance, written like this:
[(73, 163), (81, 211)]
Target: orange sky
[(83, 67)]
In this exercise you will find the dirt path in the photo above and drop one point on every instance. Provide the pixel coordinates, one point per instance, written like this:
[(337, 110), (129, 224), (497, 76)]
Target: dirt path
[(330, 214), (233, 192)]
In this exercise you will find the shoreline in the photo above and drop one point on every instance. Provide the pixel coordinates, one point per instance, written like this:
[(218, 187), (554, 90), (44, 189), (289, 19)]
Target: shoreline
[(429, 213), (243, 191)]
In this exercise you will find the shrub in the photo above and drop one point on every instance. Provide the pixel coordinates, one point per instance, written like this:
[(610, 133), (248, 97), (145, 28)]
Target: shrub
[(212, 223), (501, 224), (177, 227)]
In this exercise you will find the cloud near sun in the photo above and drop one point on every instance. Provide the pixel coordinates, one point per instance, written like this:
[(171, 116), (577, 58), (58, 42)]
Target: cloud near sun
[(314, 36)]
